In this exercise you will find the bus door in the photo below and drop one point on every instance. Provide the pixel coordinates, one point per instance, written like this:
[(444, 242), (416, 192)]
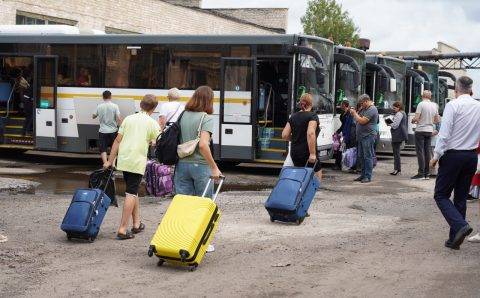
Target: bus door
[(45, 101), (236, 105)]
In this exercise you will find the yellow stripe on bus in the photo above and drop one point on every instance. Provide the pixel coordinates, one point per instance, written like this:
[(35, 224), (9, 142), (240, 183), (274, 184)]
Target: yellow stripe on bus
[(244, 101)]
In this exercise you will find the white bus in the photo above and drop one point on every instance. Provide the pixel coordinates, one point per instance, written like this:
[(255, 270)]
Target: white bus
[(257, 82)]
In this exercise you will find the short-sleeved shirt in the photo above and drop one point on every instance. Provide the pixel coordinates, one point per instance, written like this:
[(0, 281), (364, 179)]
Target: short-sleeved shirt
[(299, 125), (427, 110), (107, 113), (171, 110), (137, 131), (189, 128), (369, 129)]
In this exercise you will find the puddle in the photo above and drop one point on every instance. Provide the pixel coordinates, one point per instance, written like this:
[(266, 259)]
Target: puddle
[(67, 180)]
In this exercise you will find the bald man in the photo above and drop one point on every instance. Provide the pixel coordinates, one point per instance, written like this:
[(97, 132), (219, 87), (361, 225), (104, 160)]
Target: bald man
[(426, 116)]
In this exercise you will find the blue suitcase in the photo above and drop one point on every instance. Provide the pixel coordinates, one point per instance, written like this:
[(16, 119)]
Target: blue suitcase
[(291, 197), (85, 213)]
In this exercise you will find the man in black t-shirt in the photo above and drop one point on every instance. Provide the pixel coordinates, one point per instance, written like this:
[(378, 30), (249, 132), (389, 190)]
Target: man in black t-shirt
[(302, 130)]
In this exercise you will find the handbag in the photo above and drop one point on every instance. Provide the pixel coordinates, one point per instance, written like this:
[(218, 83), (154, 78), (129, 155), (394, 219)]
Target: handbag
[(187, 148)]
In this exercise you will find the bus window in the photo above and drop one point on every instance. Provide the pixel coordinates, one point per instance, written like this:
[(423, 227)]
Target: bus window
[(88, 66), (240, 51), (142, 68), (314, 80), (190, 67), (66, 64)]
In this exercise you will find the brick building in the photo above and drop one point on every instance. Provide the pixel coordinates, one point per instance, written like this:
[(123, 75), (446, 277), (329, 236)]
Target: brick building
[(144, 16)]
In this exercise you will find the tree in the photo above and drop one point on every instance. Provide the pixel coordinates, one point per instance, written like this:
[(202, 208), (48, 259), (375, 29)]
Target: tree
[(325, 18)]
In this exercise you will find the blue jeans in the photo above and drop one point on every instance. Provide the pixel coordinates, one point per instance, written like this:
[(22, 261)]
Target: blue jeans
[(192, 178), (366, 152), (455, 173)]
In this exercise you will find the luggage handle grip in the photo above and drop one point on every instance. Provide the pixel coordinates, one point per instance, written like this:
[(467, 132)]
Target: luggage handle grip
[(222, 179), (314, 164)]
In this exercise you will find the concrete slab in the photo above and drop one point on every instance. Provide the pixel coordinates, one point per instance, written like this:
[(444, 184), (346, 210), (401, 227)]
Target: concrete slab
[(20, 171), (15, 186)]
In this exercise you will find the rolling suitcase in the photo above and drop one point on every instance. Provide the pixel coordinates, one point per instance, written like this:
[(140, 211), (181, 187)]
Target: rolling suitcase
[(158, 178), (291, 197), (186, 230), (85, 213)]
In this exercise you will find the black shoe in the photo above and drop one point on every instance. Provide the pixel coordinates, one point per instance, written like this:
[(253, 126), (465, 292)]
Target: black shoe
[(395, 173), (418, 177), (448, 244), (460, 235), (472, 199), (358, 179)]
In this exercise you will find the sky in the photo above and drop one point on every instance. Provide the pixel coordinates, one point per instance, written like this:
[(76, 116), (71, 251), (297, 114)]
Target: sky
[(395, 24)]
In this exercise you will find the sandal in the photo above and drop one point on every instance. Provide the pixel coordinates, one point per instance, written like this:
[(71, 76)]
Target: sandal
[(140, 228), (126, 236)]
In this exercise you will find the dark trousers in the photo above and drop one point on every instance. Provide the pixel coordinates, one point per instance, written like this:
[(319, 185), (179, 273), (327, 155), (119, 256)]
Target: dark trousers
[(455, 173), (422, 146), (397, 164), (28, 109)]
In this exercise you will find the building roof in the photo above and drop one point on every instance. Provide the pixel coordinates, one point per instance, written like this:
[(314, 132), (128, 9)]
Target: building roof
[(272, 19)]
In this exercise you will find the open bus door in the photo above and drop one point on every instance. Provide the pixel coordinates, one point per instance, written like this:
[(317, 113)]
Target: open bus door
[(236, 102), (45, 101)]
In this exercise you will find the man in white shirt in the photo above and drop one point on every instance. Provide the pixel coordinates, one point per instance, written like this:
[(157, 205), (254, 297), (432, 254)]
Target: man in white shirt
[(171, 110), (456, 152), (426, 116)]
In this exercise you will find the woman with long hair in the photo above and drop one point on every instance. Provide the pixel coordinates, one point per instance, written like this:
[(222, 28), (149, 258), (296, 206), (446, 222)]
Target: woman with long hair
[(399, 129), (193, 172), (302, 129)]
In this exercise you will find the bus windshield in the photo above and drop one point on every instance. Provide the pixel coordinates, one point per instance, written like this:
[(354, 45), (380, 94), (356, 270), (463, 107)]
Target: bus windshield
[(386, 95), (345, 87), (315, 78)]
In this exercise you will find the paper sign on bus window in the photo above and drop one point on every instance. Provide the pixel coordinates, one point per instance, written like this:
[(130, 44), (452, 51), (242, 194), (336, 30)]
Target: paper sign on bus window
[(393, 85)]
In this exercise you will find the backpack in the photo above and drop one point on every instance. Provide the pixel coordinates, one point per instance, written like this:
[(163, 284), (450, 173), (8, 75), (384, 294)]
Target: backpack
[(167, 143)]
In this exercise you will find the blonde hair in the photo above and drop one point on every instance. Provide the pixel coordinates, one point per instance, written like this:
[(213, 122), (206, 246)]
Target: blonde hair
[(148, 103), (173, 94), (306, 101)]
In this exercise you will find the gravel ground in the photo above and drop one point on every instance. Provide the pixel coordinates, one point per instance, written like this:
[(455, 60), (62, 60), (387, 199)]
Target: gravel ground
[(382, 239)]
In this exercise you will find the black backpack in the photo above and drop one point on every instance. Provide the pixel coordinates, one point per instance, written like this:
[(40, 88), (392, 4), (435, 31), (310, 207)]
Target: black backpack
[(167, 143)]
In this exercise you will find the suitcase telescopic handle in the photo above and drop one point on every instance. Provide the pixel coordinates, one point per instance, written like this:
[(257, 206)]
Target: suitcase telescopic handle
[(110, 175), (222, 179), (314, 164)]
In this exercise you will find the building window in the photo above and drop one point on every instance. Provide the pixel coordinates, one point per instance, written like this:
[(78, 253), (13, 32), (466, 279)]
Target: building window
[(111, 30), (27, 18)]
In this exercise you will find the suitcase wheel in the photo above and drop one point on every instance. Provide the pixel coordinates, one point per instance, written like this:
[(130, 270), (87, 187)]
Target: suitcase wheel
[(91, 239), (271, 219), (69, 237), (300, 220), (151, 250), (160, 263), (193, 267)]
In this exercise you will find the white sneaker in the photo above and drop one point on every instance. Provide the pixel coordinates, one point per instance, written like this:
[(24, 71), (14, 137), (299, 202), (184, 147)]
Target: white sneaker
[(210, 248), (3, 238), (475, 238)]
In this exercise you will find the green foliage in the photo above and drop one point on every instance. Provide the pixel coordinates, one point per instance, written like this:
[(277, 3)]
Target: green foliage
[(325, 18)]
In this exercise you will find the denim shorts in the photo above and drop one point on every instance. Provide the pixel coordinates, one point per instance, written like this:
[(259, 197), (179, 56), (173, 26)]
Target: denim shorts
[(192, 178)]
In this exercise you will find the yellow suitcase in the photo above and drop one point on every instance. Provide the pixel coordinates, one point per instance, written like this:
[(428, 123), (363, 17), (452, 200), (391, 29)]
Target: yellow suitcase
[(186, 230)]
